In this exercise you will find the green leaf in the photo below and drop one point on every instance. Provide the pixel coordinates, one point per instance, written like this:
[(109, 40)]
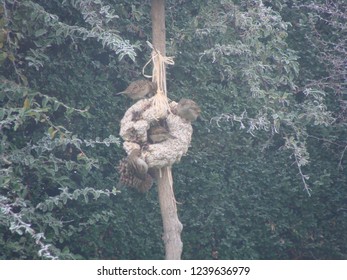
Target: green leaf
[(56, 105), (69, 111), (3, 56), (2, 113), (45, 101), (26, 104), (40, 32), (52, 132)]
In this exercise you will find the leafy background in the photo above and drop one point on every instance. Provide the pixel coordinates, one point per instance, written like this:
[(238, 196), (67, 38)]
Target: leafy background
[(264, 177)]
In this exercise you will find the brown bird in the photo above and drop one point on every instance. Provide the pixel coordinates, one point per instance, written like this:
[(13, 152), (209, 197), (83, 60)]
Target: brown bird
[(159, 134), (139, 89), (128, 178), (137, 165), (188, 109)]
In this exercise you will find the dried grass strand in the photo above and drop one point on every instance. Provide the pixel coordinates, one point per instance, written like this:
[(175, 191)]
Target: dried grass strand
[(160, 100)]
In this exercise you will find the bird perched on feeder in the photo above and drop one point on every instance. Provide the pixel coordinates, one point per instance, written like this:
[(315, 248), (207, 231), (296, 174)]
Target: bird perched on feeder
[(128, 178), (139, 89), (137, 165), (159, 134), (188, 109)]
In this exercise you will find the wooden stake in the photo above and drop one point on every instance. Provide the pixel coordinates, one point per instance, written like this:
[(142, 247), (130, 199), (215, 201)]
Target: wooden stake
[(171, 225)]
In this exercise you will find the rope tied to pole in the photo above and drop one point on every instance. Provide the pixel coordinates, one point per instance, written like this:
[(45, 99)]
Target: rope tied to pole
[(160, 100)]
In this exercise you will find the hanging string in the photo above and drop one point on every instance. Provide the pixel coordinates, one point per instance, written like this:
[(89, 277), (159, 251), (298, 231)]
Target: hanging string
[(160, 100)]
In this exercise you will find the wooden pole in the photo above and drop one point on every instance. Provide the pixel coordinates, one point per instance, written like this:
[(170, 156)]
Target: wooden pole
[(171, 224), (172, 227)]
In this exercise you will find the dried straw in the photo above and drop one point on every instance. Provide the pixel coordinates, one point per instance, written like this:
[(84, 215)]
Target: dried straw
[(160, 100)]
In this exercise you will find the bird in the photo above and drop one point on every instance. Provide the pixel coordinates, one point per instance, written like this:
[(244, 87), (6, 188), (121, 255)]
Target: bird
[(128, 178), (137, 165), (139, 89), (188, 109), (158, 134)]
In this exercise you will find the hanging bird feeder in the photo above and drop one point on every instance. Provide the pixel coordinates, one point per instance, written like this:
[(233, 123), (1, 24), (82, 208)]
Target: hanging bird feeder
[(137, 124)]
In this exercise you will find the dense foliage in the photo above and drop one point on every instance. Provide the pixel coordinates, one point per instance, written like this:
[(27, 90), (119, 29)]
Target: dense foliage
[(265, 175)]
